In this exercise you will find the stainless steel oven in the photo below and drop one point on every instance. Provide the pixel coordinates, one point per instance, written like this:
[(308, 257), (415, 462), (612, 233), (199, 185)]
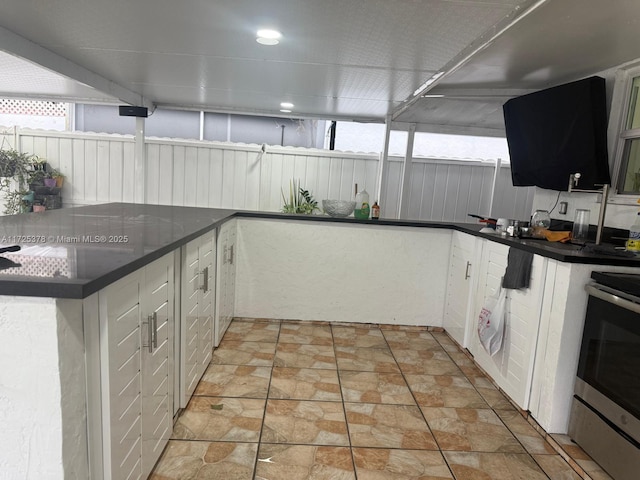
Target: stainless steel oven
[(605, 417)]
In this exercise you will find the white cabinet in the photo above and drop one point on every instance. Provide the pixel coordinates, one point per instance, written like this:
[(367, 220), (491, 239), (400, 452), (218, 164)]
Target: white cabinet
[(132, 417), (512, 367), (226, 287), (197, 310), (461, 284)]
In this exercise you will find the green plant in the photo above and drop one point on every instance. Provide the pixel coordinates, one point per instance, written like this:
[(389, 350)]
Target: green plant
[(15, 164), (55, 173), (299, 201), (16, 169)]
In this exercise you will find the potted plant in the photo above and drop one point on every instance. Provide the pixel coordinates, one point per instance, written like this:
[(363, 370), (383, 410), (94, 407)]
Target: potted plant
[(49, 181), (299, 201), (58, 176)]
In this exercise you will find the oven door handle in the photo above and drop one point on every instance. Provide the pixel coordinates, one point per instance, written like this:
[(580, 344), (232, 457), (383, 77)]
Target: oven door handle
[(612, 298)]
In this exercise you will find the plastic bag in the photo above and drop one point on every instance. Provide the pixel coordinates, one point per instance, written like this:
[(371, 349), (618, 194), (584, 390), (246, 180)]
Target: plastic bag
[(491, 322)]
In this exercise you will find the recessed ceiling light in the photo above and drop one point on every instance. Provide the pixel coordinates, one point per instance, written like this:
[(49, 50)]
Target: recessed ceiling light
[(268, 37), (284, 110), (286, 105)]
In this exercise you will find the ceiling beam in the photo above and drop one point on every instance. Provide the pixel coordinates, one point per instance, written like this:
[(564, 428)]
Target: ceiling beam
[(21, 47), (473, 130), (469, 51), (498, 94)]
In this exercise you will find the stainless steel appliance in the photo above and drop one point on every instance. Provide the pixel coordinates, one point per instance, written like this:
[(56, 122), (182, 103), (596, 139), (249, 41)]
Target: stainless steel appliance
[(605, 416)]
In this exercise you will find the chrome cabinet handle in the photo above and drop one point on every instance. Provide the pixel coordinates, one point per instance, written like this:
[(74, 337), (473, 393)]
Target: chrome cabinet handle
[(466, 273), (155, 330), (205, 283), (231, 254), (149, 324)]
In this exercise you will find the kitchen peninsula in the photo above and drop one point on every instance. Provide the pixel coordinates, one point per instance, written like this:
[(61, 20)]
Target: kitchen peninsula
[(78, 265)]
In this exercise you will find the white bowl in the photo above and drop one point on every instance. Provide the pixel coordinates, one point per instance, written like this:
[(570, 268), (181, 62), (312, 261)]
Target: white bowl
[(338, 208)]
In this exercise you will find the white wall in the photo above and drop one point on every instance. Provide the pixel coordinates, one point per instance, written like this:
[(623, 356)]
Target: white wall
[(42, 395), (342, 272), (99, 168)]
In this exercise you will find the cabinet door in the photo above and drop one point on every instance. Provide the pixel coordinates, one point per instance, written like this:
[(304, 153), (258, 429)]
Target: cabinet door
[(225, 296), (190, 296), (459, 300), (207, 265), (157, 361), (121, 365), (198, 303), (512, 366)]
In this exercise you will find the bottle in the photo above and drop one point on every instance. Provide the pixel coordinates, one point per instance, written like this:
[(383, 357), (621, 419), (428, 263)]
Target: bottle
[(633, 244), (362, 205), (375, 211)]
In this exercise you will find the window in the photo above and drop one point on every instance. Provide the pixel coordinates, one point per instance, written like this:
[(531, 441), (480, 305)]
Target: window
[(629, 142)]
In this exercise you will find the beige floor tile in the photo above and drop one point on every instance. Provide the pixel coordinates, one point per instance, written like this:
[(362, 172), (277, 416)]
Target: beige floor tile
[(305, 356), (427, 362), (461, 359), (470, 429), (221, 418), (305, 384), (303, 430), (304, 422), (244, 353), (445, 391), (183, 460), (373, 387), (411, 340), (446, 342), (246, 331), (235, 381), (305, 333), (472, 371), (366, 359), (304, 462), (388, 426), (556, 468), (396, 464), (364, 337), (494, 397), (528, 436), (493, 466)]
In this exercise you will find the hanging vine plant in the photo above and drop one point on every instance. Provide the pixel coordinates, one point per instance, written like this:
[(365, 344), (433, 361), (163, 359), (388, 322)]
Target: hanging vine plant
[(15, 171)]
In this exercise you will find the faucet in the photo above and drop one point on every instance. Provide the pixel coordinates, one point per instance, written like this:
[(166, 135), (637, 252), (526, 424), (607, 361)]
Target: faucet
[(573, 182)]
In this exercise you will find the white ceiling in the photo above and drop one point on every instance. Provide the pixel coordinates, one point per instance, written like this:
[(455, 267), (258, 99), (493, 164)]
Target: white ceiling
[(338, 59)]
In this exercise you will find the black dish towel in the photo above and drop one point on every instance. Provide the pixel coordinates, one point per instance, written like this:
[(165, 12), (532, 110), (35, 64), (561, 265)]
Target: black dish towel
[(518, 272)]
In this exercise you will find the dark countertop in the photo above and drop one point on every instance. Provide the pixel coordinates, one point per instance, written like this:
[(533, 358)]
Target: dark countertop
[(74, 252), (563, 252)]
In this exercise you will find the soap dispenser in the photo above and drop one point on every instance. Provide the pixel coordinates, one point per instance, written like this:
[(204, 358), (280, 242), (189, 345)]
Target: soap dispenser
[(362, 205)]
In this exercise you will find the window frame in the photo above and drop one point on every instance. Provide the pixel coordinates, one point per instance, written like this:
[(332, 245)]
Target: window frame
[(618, 133)]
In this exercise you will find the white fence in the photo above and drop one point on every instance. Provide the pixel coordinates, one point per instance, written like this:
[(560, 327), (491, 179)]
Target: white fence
[(99, 168)]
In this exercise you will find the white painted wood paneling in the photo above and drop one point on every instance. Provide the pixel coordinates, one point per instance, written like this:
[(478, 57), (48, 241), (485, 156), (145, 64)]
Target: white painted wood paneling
[(100, 168), (512, 366)]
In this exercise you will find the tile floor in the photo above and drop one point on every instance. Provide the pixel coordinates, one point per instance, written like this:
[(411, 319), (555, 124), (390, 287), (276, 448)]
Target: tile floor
[(310, 400)]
